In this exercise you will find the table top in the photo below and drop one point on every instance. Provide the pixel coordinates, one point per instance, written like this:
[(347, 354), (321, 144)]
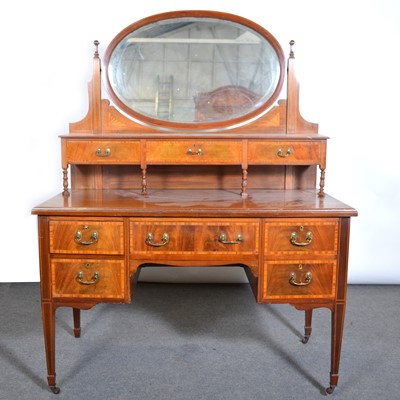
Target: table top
[(195, 203)]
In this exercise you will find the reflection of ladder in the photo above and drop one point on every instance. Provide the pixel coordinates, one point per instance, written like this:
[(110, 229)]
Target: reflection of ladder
[(163, 101)]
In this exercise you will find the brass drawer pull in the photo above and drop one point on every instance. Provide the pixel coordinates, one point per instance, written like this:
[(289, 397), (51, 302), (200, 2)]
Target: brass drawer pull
[(94, 237), (293, 239), (222, 239), (288, 153), (95, 278), (307, 281), (106, 153), (150, 238), (199, 152)]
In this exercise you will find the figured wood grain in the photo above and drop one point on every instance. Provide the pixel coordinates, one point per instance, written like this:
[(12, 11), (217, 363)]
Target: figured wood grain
[(203, 151), (324, 237), (199, 237), (85, 152), (63, 233), (196, 203), (111, 283), (293, 152), (277, 275)]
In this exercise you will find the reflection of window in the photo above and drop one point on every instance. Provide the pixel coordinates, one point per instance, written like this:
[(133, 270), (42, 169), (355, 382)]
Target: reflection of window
[(163, 100)]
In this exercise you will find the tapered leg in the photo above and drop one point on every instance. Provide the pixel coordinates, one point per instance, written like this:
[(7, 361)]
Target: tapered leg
[(48, 316), (77, 322), (337, 334), (307, 326)]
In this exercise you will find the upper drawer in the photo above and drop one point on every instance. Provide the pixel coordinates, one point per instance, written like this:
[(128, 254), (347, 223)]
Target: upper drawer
[(297, 236), (86, 237), (102, 152), (194, 152), (284, 152), (202, 238)]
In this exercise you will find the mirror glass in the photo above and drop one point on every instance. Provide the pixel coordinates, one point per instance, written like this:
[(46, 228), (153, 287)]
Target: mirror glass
[(193, 70)]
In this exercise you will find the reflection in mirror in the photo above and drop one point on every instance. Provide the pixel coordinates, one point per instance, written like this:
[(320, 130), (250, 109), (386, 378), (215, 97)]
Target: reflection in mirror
[(190, 69)]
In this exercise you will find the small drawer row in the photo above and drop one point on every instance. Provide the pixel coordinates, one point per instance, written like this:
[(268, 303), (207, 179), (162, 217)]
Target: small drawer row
[(105, 278), (282, 237), (192, 152)]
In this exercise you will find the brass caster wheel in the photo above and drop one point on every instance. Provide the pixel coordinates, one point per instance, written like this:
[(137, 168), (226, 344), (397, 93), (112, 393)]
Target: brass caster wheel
[(330, 390), (55, 389), (305, 339)]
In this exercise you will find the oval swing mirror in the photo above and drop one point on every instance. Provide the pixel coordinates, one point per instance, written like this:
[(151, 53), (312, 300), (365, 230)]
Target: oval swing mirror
[(194, 70)]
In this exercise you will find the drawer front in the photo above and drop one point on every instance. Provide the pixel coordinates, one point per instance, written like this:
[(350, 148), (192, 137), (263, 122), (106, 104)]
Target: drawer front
[(284, 152), (297, 279), (102, 152), (194, 152), (85, 278), (86, 237), (297, 236), (202, 238)]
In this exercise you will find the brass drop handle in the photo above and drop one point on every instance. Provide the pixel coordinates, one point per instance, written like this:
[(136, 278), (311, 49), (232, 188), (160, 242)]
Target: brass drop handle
[(307, 280), (106, 153), (94, 279), (150, 238), (94, 237), (199, 152), (288, 152), (293, 239), (223, 239)]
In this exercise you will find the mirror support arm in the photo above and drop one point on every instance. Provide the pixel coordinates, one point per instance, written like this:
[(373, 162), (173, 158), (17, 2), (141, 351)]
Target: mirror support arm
[(92, 122), (295, 123), (292, 94), (96, 90)]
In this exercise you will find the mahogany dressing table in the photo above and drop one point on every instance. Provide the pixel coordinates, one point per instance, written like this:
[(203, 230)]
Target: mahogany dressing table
[(192, 160)]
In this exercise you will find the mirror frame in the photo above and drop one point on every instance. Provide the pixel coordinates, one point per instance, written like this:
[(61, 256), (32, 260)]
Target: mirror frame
[(205, 125)]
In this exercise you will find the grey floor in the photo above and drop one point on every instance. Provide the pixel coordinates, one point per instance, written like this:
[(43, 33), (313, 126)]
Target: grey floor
[(182, 342)]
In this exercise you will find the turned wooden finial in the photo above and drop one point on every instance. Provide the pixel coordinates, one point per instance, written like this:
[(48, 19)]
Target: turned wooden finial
[(96, 52), (291, 54)]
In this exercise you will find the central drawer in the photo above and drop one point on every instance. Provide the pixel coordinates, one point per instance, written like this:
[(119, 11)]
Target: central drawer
[(86, 237), (86, 278), (194, 152), (188, 237)]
